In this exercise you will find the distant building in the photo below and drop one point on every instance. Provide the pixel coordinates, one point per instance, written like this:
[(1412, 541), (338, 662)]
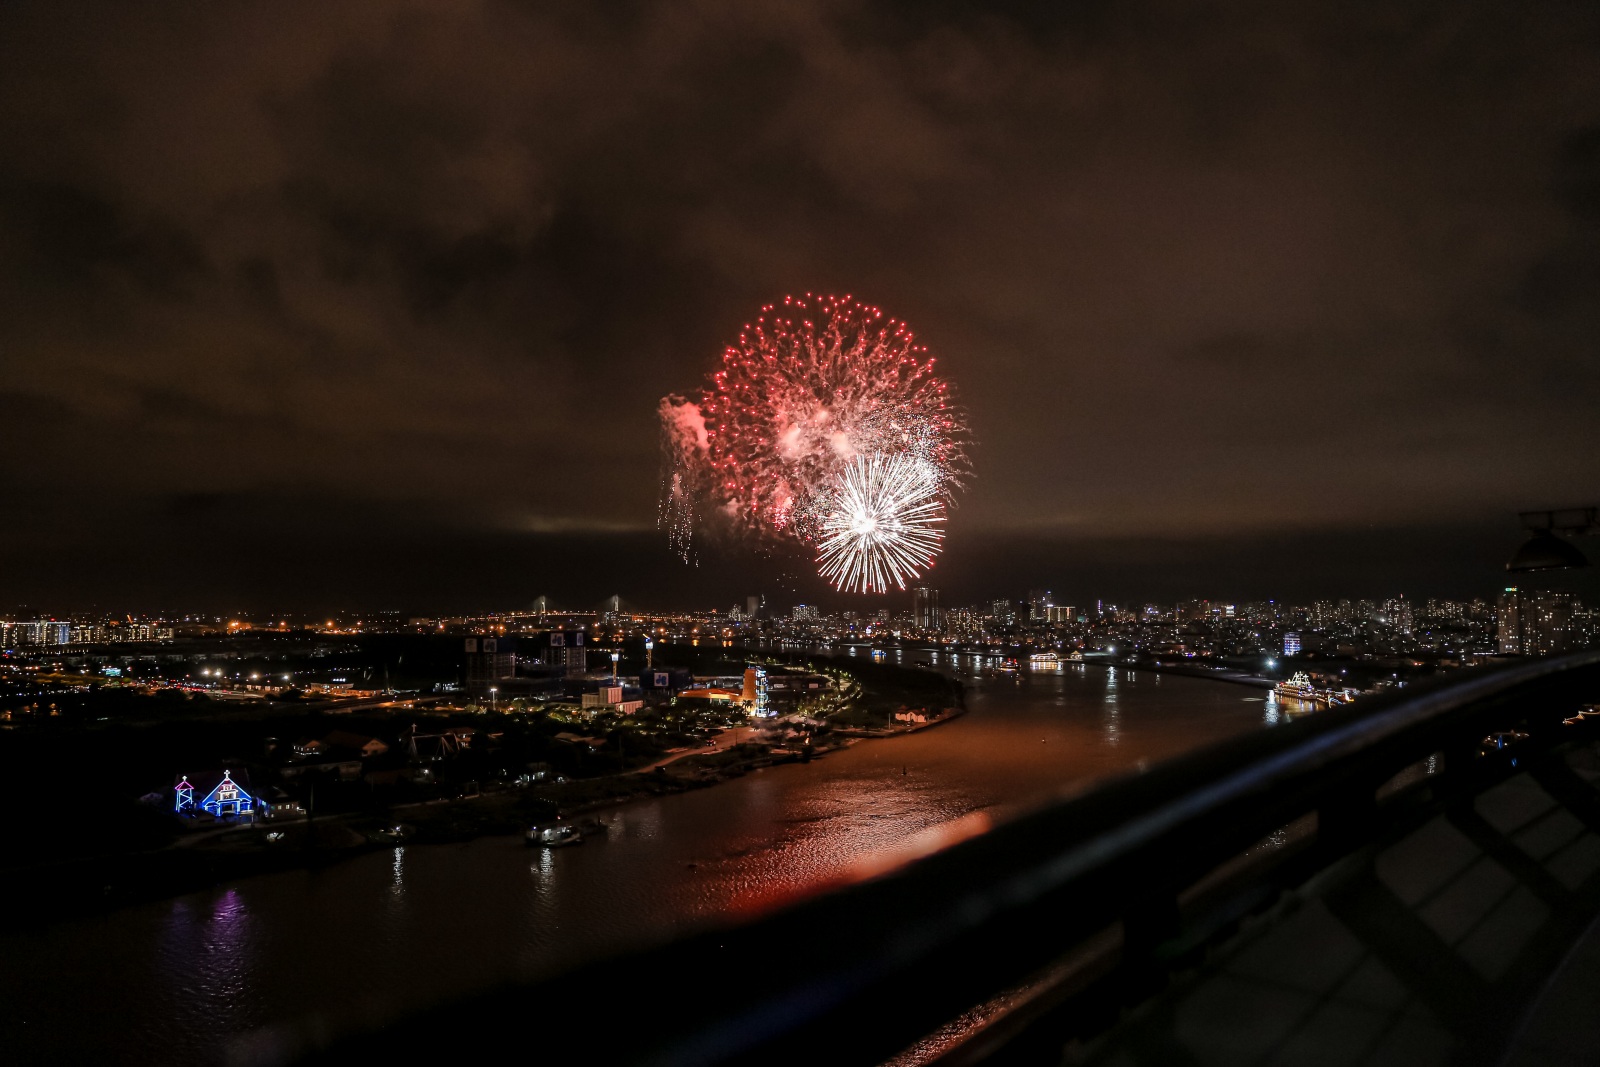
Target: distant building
[(1547, 623), (925, 608), (38, 632), (1063, 613), (605, 695), (712, 693), (669, 679), (1397, 613), (567, 651), (1039, 601), (1508, 639), (806, 613), (1291, 644), (1536, 622), (490, 660)]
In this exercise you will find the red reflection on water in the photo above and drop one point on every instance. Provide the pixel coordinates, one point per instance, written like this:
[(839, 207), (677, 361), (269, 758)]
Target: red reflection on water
[(918, 845)]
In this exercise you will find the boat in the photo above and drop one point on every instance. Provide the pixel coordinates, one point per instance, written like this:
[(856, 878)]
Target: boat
[(556, 836), (1297, 687)]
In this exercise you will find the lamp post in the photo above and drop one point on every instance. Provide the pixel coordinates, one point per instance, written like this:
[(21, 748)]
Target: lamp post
[(494, 701)]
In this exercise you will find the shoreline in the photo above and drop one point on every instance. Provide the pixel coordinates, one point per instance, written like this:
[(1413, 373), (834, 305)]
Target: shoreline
[(97, 885), (1254, 681)]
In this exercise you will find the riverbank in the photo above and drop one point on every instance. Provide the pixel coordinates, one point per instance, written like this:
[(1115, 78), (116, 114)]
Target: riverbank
[(1255, 681), (89, 884), (214, 976)]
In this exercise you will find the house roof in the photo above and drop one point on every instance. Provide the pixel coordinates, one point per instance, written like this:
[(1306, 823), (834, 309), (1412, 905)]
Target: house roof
[(350, 739), (205, 783)]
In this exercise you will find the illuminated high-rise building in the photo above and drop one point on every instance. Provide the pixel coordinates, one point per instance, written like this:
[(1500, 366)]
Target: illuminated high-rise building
[(1039, 601), (925, 608), (1535, 622), (1508, 639), (1397, 613)]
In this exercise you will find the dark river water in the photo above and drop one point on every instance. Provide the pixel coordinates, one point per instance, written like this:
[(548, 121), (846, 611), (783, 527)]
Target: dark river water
[(246, 972)]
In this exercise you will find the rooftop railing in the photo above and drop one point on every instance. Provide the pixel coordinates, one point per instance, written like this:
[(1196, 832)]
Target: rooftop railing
[(1005, 946)]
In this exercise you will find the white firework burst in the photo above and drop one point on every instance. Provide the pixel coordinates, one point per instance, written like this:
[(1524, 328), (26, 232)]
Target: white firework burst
[(882, 523)]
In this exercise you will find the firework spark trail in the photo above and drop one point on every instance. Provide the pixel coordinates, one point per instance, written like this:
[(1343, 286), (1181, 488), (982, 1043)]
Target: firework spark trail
[(882, 525), (811, 386)]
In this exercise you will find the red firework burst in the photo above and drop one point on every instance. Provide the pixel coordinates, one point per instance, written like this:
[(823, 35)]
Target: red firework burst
[(814, 383)]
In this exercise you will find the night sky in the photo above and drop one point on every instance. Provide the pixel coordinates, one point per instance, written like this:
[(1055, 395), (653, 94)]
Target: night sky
[(360, 305)]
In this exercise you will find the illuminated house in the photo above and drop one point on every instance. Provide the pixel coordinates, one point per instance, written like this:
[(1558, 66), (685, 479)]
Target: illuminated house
[(225, 799)]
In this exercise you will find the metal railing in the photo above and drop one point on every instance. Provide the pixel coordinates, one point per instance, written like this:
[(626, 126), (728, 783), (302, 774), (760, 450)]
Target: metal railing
[(1071, 912)]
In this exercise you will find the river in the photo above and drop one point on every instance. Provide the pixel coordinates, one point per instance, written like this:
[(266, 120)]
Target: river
[(243, 973)]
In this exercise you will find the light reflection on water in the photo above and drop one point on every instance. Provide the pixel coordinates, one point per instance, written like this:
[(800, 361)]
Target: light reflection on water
[(412, 926)]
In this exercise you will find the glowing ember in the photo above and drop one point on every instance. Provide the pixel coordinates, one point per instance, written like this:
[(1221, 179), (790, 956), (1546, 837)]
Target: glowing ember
[(819, 394)]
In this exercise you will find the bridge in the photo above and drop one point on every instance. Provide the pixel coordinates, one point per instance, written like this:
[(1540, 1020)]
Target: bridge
[(1414, 878)]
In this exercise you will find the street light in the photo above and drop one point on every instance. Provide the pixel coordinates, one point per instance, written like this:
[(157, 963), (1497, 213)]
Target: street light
[(494, 702)]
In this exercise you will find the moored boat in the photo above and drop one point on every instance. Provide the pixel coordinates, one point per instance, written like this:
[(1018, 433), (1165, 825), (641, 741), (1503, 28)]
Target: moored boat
[(1297, 687), (553, 836)]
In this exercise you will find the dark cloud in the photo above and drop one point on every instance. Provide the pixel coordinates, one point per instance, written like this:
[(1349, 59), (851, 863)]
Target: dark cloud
[(1198, 270)]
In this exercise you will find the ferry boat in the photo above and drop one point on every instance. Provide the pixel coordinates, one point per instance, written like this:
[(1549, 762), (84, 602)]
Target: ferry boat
[(1297, 687), (1044, 661)]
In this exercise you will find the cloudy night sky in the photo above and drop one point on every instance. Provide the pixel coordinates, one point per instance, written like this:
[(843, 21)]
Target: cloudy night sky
[(367, 305)]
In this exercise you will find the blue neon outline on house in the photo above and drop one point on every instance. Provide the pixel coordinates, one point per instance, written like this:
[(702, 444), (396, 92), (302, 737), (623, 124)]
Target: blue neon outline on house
[(228, 799)]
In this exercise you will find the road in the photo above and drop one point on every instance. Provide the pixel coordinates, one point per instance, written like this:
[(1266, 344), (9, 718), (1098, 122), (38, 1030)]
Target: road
[(734, 735)]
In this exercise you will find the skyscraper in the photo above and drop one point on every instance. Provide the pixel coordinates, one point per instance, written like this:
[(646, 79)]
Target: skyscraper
[(1508, 639), (1039, 601), (1535, 622), (925, 608), (566, 651), (1397, 613), (1547, 623), (489, 660)]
